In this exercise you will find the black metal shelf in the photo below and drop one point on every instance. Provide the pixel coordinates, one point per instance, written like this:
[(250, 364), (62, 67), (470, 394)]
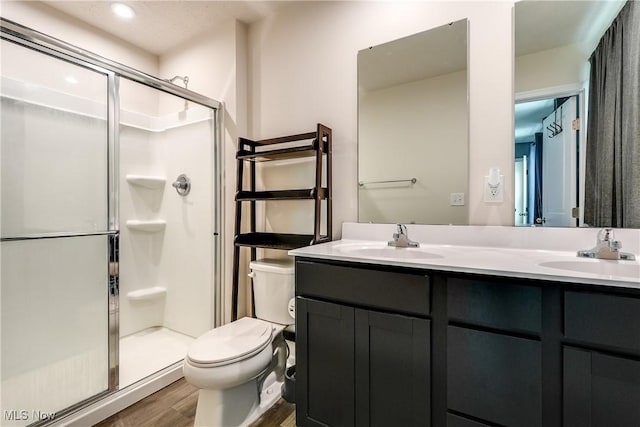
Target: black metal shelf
[(280, 154), (315, 144), (278, 140), (284, 241), (301, 194)]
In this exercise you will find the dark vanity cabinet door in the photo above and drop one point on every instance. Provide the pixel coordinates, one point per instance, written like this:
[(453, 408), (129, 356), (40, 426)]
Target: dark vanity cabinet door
[(494, 359), (600, 390), (361, 367), (493, 377), (325, 356), (392, 370)]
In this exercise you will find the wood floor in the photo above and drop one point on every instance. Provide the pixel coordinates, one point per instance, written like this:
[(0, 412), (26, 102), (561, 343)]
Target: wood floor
[(175, 406)]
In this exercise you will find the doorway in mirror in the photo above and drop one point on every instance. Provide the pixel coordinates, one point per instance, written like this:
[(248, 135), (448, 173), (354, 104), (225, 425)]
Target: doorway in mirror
[(547, 153)]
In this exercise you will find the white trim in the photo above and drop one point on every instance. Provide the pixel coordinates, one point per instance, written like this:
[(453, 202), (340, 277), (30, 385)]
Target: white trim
[(550, 92)]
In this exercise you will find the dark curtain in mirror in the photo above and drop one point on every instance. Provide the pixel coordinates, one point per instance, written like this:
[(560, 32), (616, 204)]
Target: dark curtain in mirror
[(612, 172)]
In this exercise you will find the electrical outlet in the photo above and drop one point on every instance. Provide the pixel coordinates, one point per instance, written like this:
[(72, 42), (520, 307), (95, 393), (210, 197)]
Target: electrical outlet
[(456, 199), (494, 193)]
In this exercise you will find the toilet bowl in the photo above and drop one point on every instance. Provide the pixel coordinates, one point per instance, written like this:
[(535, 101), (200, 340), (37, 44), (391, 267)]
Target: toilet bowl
[(229, 365), (239, 367)]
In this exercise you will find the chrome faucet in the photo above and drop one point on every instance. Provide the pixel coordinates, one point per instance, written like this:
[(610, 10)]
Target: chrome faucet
[(401, 239), (607, 248)]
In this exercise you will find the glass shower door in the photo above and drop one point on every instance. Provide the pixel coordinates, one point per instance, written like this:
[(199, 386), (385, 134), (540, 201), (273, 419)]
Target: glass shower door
[(55, 234)]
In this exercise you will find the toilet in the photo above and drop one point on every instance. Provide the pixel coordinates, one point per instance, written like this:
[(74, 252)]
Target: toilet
[(239, 367)]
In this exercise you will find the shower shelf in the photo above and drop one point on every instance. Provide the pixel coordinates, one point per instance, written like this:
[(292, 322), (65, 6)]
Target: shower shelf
[(317, 145), (147, 293), (147, 181), (152, 226)]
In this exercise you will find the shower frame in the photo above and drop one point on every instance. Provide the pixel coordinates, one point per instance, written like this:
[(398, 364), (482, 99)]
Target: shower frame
[(54, 47)]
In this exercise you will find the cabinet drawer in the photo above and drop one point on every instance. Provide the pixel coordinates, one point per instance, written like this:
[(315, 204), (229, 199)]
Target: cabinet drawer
[(608, 320), (399, 292), (495, 304)]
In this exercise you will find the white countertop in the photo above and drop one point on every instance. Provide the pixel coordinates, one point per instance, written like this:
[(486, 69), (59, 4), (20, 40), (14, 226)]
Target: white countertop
[(539, 264)]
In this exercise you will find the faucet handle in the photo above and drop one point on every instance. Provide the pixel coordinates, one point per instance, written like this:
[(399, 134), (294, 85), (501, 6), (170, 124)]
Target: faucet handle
[(605, 235), (402, 229)]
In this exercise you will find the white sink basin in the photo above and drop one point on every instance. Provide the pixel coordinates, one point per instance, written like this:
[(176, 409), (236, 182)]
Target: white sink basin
[(381, 250), (598, 266)]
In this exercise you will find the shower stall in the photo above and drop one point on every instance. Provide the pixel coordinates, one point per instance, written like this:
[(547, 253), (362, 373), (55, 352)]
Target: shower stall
[(110, 222)]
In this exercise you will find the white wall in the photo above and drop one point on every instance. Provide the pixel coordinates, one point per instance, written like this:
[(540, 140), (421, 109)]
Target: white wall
[(565, 65), (414, 130), (303, 70)]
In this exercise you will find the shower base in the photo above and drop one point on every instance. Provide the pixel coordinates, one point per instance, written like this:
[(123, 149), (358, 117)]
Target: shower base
[(146, 352)]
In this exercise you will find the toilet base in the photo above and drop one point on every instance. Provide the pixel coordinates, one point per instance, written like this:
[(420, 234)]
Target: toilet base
[(237, 406)]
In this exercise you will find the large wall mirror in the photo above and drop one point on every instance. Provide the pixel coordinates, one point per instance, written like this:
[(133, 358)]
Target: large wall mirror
[(413, 129), (556, 131)]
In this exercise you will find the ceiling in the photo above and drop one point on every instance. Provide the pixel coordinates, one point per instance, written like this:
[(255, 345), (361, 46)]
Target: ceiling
[(160, 26)]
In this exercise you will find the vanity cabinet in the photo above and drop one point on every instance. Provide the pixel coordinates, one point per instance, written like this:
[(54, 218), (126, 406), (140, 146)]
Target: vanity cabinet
[(361, 364), (600, 390), (325, 354), (494, 353), (601, 367), (494, 377), (386, 345)]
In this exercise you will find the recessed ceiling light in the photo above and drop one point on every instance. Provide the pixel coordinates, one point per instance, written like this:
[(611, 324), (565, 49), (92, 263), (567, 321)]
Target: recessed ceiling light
[(122, 10)]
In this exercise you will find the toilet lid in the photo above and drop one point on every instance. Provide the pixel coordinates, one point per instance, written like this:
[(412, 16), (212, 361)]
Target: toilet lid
[(232, 342)]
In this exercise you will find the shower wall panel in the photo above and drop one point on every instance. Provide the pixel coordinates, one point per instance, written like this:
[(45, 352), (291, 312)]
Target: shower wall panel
[(187, 255), (178, 258), (139, 251)]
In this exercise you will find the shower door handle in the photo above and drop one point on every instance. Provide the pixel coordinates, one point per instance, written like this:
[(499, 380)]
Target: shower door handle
[(114, 264)]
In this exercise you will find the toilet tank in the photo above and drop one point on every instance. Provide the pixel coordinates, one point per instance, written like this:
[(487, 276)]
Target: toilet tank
[(273, 288)]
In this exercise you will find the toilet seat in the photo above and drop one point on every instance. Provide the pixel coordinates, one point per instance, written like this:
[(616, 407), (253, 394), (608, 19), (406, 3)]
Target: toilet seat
[(230, 343)]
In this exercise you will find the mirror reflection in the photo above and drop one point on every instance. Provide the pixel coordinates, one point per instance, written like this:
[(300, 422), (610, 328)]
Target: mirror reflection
[(577, 118), (412, 128)]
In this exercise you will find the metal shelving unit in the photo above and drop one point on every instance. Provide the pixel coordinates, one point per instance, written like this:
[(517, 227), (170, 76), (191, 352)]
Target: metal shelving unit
[(311, 144)]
